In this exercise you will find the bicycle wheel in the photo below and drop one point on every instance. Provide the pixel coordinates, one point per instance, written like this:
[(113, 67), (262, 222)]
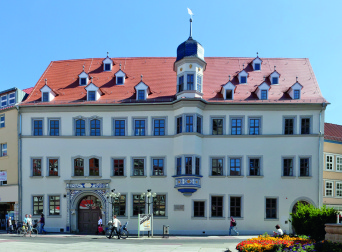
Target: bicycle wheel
[(22, 232), (34, 232), (109, 234), (124, 234)]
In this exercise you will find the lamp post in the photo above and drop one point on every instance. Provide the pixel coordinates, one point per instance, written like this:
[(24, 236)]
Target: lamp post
[(111, 196), (148, 195)]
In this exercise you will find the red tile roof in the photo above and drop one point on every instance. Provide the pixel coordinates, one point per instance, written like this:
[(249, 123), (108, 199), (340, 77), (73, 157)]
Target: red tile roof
[(28, 90), (158, 74), (333, 132)]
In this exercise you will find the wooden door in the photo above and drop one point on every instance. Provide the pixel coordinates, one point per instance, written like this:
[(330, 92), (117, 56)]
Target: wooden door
[(88, 214)]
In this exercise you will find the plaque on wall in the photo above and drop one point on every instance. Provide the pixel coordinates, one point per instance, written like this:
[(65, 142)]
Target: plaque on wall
[(178, 207)]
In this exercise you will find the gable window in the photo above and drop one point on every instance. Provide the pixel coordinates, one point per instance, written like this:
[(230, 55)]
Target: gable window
[(217, 127), (107, 67), (180, 83), (254, 167), (54, 127), (2, 121), (338, 189), (296, 94), (243, 79), (189, 123), (38, 205), (235, 167), (119, 206), (45, 96), (83, 81), (257, 66), (120, 127), (305, 126), (328, 189), (217, 166), (199, 125), (159, 127), (95, 127), (78, 167), (91, 96), (275, 80), (190, 82), (271, 208), (54, 205), (11, 99), (199, 208), (235, 206), (3, 149), (141, 94), (179, 125), (138, 167), (159, 205), (229, 94), (329, 162), (304, 167), (263, 94), (254, 126), (179, 166), (80, 127), (53, 167), (188, 165), (288, 167), (94, 167), (118, 167), (288, 129), (199, 83), (4, 101), (138, 205), (197, 166), (36, 167), (158, 166), (119, 80), (216, 206), (339, 163), (139, 127), (38, 127)]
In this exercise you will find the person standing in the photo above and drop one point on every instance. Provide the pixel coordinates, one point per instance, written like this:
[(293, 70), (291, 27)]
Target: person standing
[(42, 223), (29, 225), (9, 225), (116, 224), (232, 226), (99, 222)]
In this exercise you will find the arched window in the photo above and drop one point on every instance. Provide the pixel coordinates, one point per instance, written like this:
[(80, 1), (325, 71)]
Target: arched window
[(94, 168), (95, 127), (80, 127), (78, 167)]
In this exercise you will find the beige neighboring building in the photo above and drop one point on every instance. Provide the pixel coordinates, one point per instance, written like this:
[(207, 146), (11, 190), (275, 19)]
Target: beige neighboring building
[(332, 173), (9, 153)]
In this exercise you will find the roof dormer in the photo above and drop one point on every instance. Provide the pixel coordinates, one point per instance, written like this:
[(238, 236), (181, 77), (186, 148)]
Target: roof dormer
[(120, 77), (47, 93), (243, 76), (262, 91), (107, 63), (256, 63), (141, 90), (274, 77), (93, 92), (228, 90), (295, 90), (83, 78)]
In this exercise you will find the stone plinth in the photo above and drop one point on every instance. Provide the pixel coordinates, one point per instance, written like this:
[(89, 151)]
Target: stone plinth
[(333, 232)]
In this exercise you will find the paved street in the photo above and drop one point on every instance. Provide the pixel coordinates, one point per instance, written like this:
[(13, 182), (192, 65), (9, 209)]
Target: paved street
[(66, 242)]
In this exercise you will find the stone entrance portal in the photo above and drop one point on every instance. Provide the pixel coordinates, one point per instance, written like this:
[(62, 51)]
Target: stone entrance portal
[(89, 210)]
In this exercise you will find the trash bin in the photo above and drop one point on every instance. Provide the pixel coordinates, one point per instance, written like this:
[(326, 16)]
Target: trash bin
[(166, 231)]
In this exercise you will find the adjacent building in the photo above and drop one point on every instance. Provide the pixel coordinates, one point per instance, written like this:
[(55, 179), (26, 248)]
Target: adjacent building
[(213, 137)]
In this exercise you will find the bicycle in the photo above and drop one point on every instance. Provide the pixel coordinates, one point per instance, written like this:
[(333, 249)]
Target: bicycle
[(22, 231)]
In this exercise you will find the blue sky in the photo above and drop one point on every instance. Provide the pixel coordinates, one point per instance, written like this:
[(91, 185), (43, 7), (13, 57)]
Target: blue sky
[(33, 33)]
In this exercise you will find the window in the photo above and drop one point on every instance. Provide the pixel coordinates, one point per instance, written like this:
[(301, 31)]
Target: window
[(3, 149), (179, 125), (138, 167), (188, 165), (235, 167), (235, 206), (304, 167), (179, 166), (197, 166), (119, 206), (190, 82), (274, 80), (91, 96), (199, 125), (11, 99), (107, 67), (329, 162), (199, 83), (2, 121), (141, 94), (119, 80), (118, 167), (338, 189), (339, 163), (36, 167), (158, 166), (80, 127), (138, 205), (38, 127), (180, 83), (243, 79), (236, 127), (288, 167), (53, 167), (254, 126), (54, 205), (229, 94), (94, 167), (296, 94), (257, 66), (95, 127), (199, 208), (4, 101), (254, 167), (4, 182), (216, 206), (217, 127), (271, 208), (159, 205), (83, 81), (217, 166), (45, 96), (189, 120), (159, 127), (288, 127), (54, 127), (38, 205), (119, 127), (328, 189), (78, 167), (263, 94), (305, 127), (139, 127)]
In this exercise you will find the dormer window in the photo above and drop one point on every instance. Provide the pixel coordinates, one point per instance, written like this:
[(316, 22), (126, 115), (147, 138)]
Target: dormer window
[(257, 66), (229, 94), (11, 99), (243, 79), (264, 94), (119, 80), (107, 67), (45, 97), (84, 77), (242, 76), (47, 93), (107, 64), (142, 90), (274, 77), (295, 90), (256, 63), (228, 91), (141, 94), (120, 77), (93, 92), (262, 91), (296, 94), (83, 81), (275, 80), (91, 96)]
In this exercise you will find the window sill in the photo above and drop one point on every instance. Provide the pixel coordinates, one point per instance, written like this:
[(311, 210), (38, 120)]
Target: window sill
[(198, 218), (218, 176), (138, 176), (54, 216), (255, 176), (158, 176), (269, 219), (288, 177), (53, 176), (304, 177), (237, 176), (4, 157), (79, 177), (38, 177), (94, 177), (236, 218), (217, 218), (118, 177)]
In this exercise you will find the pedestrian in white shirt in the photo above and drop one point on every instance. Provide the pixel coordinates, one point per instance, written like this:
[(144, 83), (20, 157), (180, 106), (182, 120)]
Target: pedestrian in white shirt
[(99, 223), (116, 224), (279, 232)]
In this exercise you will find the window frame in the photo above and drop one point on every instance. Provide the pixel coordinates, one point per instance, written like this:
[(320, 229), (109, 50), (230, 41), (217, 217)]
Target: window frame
[(41, 166), (2, 100), (83, 81), (141, 204), (154, 119), (295, 93), (294, 123), (46, 97), (90, 94), (231, 125), (331, 163), (212, 158), (230, 167), (100, 128), (100, 165), (48, 167), (163, 168), (190, 124), (338, 162), (255, 66), (49, 203), (212, 118), (331, 189), (260, 125), (75, 119), (3, 150), (243, 79), (223, 205), (119, 204), (2, 121), (124, 173), (179, 126), (260, 166), (33, 126), (190, 83), (200, 125), (275, 80), (263, 94), (338, 191), (276, 208), (59, 126), (301, 125), (309, 166), (39, 205), (73, 165), (114, 119), (180, 77), (144, 167), (194, 215), (283, 166), (145, 126), (230, 205), (159, 206), (199, 85)]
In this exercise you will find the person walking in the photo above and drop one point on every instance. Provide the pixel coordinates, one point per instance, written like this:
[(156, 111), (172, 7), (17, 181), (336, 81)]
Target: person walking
[(116, 225), (42, 223), (9, 225), (29, 225), (232, 226)]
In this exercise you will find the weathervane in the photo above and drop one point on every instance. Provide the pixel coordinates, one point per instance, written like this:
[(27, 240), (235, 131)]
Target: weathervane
[(191, 14)]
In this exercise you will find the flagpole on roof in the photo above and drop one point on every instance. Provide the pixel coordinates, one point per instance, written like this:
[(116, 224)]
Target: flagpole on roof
[(191, 14)]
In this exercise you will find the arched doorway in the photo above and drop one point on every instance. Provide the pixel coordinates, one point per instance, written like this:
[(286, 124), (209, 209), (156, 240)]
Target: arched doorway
[(294, 209), (89, 210)]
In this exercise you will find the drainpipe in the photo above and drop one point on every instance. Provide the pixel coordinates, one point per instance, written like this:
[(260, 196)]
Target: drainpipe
[(320, 159), (19, 128)]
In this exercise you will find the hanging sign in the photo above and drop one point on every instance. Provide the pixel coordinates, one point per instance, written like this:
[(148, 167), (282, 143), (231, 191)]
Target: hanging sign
[(3, 176), (145, 221)]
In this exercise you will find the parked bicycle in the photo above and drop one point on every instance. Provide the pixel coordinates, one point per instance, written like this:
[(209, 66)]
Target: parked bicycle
[(123, 231)]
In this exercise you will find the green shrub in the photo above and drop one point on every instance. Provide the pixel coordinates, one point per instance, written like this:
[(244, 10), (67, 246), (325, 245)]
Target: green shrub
[(309, 220)]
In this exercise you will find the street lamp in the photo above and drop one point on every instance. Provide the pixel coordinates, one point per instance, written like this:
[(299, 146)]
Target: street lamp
[(112, 196), (148, 195)]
